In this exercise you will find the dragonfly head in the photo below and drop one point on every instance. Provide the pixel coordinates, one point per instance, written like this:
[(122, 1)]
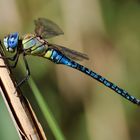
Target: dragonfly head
[(11, 41)]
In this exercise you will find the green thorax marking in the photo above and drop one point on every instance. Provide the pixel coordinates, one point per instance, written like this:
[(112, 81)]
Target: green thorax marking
[(34, 45)]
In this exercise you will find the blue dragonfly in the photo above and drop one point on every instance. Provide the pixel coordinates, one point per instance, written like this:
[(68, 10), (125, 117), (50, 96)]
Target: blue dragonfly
[(37, 44)]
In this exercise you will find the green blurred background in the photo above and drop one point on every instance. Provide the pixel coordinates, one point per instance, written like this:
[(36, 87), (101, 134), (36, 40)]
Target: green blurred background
[(108, 31)]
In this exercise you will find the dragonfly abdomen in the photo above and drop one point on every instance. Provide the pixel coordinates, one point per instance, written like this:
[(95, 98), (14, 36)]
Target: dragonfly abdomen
[(105, 82), (59, 58), (56, 57)]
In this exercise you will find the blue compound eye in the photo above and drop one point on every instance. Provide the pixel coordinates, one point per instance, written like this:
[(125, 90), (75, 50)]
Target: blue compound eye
[(5, 42), (12, 40)]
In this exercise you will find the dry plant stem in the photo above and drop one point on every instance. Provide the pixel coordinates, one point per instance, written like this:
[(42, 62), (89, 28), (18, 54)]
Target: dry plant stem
[(19, 108)]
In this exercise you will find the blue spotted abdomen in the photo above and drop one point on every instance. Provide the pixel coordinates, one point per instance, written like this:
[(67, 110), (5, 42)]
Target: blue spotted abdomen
[(59, 58)]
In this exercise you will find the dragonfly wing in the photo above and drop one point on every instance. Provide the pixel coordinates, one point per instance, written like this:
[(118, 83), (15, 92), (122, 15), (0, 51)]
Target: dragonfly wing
[(69, 53), (46, 28)]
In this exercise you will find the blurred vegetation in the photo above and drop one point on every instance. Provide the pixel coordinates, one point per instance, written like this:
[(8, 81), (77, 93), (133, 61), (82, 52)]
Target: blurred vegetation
[(108, 31)]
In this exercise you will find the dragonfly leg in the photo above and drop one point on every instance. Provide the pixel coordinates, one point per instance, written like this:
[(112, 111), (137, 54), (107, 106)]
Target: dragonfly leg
[(27, 72), (15, 63), (2, 46), (13, 58), (10, 58)]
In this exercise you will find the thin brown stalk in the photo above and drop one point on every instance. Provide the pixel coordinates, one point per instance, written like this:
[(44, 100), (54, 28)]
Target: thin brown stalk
[(22, 114)]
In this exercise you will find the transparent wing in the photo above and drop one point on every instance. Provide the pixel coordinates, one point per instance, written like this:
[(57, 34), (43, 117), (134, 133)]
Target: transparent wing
[(69, 53), (45, 28)]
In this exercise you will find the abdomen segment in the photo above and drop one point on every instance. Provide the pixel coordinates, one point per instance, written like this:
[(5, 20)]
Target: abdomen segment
[(59, 58)]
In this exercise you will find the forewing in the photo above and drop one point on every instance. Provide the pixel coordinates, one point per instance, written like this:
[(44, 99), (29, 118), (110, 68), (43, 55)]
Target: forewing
[(46, 28), (69, 53)]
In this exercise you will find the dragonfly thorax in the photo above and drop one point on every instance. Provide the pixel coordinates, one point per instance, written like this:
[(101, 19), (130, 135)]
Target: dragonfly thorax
[(11, 41), (33, 44)]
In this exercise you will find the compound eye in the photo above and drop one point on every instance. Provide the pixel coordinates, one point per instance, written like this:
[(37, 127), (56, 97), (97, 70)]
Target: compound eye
[(12, 40), (5, 42)]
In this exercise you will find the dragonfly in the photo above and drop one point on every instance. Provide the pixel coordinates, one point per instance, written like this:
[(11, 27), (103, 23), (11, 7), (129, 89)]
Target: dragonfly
[(37, 44)]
